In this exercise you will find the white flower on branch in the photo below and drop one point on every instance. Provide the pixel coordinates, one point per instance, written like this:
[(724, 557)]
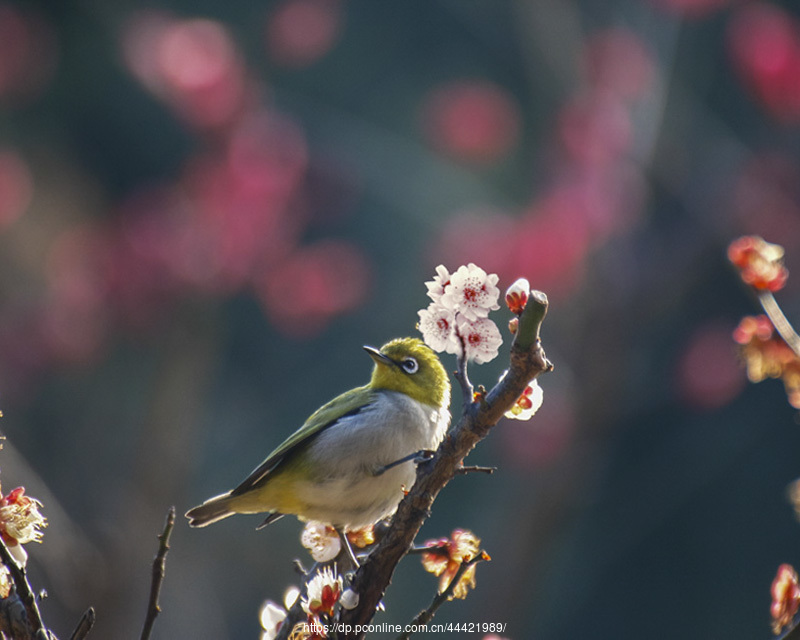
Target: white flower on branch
[(437, 324), (472, 292), (481, 338), (271, 617), (322, 593), (20, 520), (528, 403), (321, 540), (437, 286)]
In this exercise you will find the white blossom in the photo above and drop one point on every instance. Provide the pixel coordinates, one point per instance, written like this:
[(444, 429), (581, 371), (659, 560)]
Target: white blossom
[(322, 592), (472, 292), (436, 287), (528, 403), (438, 327), (271, 617), (481, 338), (321, 540)]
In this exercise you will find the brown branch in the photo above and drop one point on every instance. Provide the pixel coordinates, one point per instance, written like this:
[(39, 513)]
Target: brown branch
[(527, 361), (159, 564), (24, 592)]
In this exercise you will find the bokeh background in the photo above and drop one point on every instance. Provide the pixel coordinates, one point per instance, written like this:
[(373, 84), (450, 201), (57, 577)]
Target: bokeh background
[(207, 208)]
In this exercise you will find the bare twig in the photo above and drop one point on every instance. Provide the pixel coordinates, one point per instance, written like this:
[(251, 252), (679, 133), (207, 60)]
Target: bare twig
[(464, 470), (85, 625), (527, 361), (425, 616), (24, 591), (159, 564)]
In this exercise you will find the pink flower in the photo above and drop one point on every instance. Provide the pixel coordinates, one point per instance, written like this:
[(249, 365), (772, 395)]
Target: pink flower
[(760, 263), (517, 296)]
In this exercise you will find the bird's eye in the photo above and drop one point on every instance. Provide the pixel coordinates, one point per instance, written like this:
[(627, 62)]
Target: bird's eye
[(410, 365)]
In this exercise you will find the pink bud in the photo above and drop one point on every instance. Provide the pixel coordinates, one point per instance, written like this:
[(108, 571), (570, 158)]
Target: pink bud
[(517, 295)]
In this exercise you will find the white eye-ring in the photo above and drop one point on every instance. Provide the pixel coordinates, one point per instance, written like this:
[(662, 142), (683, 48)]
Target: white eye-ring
[(410, 365)]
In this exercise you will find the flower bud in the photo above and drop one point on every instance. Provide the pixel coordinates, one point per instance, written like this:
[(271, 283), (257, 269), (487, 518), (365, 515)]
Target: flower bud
[(517, 295)]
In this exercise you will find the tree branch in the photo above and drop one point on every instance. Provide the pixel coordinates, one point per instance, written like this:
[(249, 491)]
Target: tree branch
[(159, 564), (527, 361)]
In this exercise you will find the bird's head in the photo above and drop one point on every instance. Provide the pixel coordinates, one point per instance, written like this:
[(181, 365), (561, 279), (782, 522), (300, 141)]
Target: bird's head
[(409, 366)]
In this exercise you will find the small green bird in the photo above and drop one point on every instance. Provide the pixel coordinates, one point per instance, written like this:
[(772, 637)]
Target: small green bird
[(348, 465)]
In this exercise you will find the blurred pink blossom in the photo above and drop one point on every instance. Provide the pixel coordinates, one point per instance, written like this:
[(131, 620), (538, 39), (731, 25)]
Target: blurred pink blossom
[(475, 121), (708, 374), (16, 187), (28, 53), (300, 32), (192, 64), (312, 285), (764, 43), (617, 60)]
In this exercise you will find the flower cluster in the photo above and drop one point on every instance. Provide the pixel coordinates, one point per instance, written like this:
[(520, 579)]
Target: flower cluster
[(785, 597), (760, 263), (458, 318), (20, 522), (446, 556), (766, 355)]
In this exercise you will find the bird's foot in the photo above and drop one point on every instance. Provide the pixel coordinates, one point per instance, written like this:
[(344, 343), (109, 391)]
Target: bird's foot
[(423, 455)]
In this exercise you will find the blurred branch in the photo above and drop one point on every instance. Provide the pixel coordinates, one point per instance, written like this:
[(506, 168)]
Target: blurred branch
[(527, 361), (159, 564), (84, 625)]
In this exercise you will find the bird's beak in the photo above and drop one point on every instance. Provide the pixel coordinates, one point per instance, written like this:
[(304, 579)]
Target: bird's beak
[(377, 356)]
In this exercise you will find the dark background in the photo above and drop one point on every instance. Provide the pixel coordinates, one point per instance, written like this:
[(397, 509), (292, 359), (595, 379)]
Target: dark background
[(207, 208)]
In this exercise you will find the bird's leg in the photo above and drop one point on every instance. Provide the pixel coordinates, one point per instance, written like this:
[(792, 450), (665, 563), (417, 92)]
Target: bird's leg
[(418, 456), (348, 550)]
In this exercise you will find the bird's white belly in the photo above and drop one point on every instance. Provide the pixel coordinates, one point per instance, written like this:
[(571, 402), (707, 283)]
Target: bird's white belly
[(346, 489)]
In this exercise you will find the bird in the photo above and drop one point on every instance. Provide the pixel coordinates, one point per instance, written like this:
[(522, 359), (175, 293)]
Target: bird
[(350, 463)]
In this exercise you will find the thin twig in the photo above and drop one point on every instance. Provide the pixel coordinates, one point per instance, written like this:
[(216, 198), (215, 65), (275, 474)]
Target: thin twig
[(779, 320), (85, 625), (159, 564), (425, 616), (24, 590), (461, 374), (464, 470)]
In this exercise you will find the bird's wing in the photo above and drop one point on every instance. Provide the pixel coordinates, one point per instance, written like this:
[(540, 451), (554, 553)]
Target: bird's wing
[(347, 404)]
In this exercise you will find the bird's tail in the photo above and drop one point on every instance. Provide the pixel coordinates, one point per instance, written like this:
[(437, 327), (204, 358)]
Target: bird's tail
[(212, 510)]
